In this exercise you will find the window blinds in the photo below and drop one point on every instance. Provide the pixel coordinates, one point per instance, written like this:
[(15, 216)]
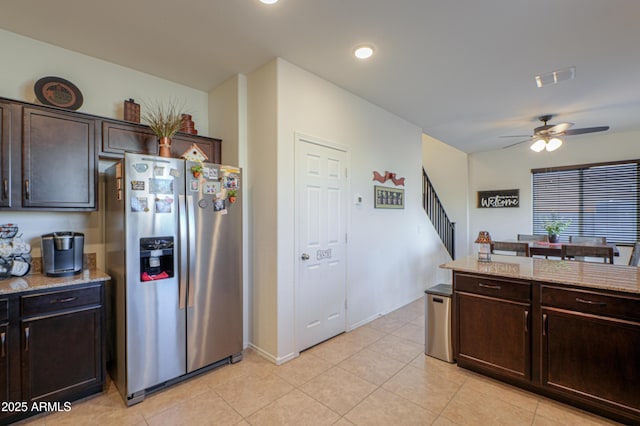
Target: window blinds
[(599, 199)]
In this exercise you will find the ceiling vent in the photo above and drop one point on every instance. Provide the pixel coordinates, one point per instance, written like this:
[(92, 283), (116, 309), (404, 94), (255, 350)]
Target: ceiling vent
[(554, 77)]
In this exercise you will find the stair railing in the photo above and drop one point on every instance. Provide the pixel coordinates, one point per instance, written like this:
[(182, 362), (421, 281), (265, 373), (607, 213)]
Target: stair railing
[(437, 214)]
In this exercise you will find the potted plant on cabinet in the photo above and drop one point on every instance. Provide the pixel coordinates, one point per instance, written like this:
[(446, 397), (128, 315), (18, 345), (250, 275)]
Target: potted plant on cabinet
[(554, 226), (164, 121)]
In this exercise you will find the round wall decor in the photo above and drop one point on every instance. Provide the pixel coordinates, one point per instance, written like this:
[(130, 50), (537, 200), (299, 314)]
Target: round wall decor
[(58, 92)]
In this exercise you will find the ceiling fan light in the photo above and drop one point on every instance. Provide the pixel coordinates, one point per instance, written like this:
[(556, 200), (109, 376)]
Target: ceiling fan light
[(553, 144), (538, 145)]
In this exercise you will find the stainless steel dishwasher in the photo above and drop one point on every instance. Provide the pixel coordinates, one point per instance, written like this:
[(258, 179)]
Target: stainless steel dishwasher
[(437, 328)]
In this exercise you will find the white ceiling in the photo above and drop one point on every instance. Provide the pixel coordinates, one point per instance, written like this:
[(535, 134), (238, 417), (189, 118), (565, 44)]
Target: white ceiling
[(462, 70)]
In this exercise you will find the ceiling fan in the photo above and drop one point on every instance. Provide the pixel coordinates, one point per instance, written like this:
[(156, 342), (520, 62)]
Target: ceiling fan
[(547, 136)]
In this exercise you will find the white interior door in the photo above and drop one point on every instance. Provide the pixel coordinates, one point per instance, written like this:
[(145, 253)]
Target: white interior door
[(321, 216)]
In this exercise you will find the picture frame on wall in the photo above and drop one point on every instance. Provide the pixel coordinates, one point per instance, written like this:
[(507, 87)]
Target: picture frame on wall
[(388, 198), (499, 198)]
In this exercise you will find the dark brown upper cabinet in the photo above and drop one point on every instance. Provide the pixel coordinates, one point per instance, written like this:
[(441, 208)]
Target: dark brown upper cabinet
[(49, 156), (120, 137), (58, 160), (5, 153), (49, 159)]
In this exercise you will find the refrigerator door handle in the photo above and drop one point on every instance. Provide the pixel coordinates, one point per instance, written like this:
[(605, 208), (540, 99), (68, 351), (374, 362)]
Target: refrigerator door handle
[(192, 250), (182, 219)]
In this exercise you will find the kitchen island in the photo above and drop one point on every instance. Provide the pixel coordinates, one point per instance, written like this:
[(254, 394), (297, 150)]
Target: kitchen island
[(52, 342), (565, 329)]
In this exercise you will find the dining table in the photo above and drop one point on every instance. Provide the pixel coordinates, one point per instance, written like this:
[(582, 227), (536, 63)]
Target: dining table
[(540, 248)]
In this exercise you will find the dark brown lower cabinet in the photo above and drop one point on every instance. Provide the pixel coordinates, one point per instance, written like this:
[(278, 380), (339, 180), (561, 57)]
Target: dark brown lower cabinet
[(492, 325), (592, 357), (4, 362), (575, 344), (61, 355), (494, 335), (54, 352), (591, 347)]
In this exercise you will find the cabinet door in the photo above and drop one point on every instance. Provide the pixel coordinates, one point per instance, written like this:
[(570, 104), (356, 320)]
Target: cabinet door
[(5, 153), (118, 138), (210, 147), (61, 355), (59, 161), (493, 334), (592, 356), (4, 362)]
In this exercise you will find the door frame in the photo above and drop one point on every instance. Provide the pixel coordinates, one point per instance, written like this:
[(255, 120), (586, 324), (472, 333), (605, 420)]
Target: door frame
[(304, 138)]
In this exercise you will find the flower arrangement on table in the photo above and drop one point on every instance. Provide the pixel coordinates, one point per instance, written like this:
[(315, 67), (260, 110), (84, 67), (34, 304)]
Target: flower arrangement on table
[(555, 226)]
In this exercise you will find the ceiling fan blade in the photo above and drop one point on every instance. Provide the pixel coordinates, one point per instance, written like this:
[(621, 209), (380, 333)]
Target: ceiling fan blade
[(586, 130), (516, 136), (558, 128), (517, 143)]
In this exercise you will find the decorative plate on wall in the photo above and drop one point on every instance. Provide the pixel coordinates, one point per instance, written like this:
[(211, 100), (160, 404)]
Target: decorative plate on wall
[(58, 92)]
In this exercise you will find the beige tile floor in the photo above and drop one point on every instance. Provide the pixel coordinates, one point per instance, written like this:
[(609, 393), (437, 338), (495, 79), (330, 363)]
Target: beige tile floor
[(374, 375)]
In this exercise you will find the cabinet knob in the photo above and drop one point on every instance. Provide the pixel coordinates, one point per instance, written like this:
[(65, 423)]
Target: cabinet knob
[(304, 256)]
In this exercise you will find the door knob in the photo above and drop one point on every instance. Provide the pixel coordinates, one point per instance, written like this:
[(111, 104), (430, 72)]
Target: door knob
[(304, 256)]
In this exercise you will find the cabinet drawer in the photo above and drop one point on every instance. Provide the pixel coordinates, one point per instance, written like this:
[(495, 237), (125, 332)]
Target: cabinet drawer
[(4, 310), (60, 300), (591, 302), (505, 289)]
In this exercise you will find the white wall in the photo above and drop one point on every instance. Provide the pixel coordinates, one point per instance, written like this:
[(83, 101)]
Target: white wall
[(393, 255), (104, 86), (511, 168), (228, 121), (262, 193), (228, 116), (447, 168)]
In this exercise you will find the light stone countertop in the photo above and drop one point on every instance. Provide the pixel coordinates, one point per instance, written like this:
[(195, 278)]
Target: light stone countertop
[(32, 282), (584, 274)]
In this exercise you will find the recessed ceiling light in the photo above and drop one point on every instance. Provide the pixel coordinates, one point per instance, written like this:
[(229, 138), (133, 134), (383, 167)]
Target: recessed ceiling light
[(268, 1), (363, 52)]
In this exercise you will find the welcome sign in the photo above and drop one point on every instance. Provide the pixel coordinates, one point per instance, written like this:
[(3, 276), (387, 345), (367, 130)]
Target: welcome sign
[(499, 198)]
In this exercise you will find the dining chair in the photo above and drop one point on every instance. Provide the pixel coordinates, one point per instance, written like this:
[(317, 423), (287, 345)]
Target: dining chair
[(519, 248), (634, 260), (573, 239), (578, 252), (544, 238)]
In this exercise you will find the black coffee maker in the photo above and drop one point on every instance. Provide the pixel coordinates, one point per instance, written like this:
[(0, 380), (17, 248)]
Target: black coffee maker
[(62, 253)]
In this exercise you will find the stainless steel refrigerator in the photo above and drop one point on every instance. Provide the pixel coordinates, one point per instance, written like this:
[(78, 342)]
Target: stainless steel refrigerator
[(174, 252)]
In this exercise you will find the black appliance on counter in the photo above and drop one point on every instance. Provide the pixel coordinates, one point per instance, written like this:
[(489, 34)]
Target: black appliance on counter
[(62, 253)]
